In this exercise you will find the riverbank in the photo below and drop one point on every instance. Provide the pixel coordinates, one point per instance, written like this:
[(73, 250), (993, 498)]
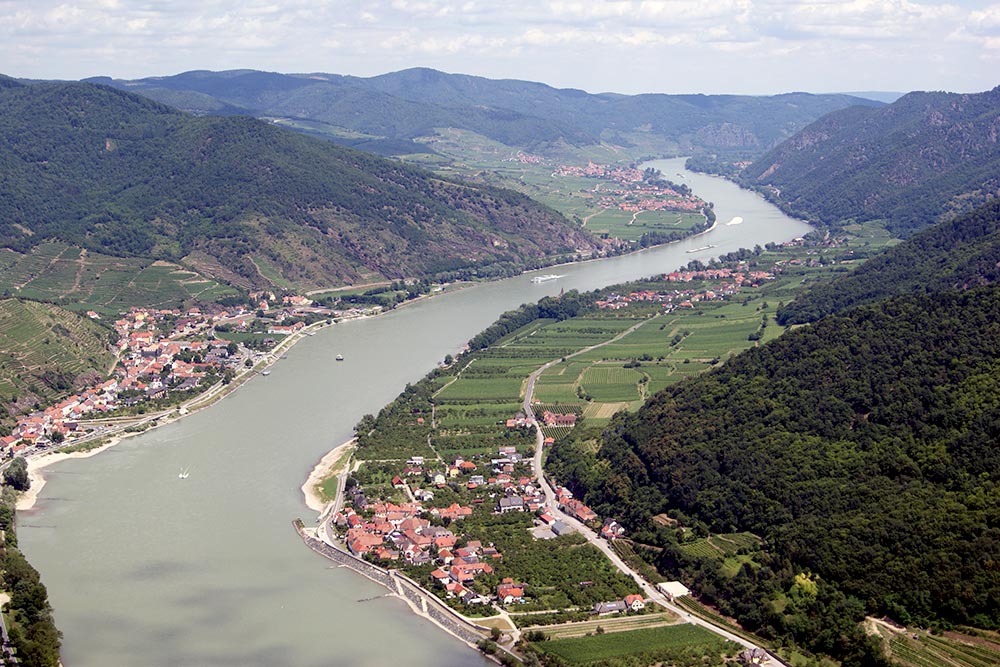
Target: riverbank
[(323, 470), (36, 463)]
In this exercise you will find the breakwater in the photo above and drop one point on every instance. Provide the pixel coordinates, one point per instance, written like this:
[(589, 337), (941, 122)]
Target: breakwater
[(422, 602)]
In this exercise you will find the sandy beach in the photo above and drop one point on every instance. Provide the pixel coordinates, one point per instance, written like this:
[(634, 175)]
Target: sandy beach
[(321, 471), (36, 464)]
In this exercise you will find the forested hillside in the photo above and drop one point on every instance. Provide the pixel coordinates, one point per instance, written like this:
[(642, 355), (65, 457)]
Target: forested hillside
[(959, 254), (417, 102), (244, 201), (925, 157), (861, 448)]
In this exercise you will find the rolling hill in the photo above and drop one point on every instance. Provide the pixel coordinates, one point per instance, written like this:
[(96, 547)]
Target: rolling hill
[(245, 202), (924, 158), (417, 102)]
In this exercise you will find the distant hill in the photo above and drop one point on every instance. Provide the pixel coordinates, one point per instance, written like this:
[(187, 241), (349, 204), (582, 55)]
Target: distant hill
[(244, 201), (47, 352), (959, 254), (925, 157), (416, 102)]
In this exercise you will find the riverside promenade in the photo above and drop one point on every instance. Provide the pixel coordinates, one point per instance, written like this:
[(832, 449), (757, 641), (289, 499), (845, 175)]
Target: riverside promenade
[(422, 603)]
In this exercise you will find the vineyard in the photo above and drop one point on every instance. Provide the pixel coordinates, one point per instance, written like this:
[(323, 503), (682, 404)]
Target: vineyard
[(926, 650)]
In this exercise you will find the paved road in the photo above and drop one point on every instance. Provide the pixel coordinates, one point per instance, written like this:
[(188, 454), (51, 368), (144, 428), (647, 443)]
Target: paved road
[(651, 592)]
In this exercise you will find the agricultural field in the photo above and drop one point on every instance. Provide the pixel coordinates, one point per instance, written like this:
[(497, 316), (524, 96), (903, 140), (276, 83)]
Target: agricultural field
[(676, 644), (46, 350), (83, 280), (609, 624), (923, 649)]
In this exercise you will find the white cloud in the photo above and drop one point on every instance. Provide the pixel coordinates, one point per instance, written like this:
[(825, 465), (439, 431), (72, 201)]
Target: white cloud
[(759, 45)]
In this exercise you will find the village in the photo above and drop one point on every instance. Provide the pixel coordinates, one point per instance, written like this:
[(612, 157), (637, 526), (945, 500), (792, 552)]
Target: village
[(638, 192), (164, 357), (429, 542), (731, 281)]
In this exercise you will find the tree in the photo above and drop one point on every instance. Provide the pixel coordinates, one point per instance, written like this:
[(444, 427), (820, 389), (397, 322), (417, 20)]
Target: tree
[(16, 474)]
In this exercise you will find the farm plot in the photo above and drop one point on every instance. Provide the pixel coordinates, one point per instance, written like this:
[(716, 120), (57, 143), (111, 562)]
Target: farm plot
[(620, 624), (611, 384), (594, 411), (466, 416), (676, 644), (498, 389)]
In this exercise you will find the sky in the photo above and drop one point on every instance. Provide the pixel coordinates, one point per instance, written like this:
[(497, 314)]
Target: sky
[(624, 46)]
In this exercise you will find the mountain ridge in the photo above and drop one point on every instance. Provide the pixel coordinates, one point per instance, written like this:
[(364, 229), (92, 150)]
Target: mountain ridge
[(926, 157), (122, 174), (414, 102)]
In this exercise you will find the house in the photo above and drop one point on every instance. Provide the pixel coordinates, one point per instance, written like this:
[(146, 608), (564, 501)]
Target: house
[(611, 529), (560, 528), (508, 592), (578, 510), (754, 656), (605, 608), (556, 419), (510, 504), (635, 602), (673, 589)]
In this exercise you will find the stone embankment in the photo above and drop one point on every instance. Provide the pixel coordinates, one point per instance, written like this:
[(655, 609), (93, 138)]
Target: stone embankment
[(419, 600)]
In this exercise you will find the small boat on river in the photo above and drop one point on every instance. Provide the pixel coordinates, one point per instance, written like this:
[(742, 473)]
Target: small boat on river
[(735, 221), (546, 278), (340, 357)]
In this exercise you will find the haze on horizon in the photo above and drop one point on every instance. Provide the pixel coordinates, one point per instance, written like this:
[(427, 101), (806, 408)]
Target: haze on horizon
[(624, 46)]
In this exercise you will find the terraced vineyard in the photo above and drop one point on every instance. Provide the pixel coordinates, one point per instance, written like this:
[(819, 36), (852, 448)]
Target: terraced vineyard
[(84, 280), (47, 351), (926, 650)]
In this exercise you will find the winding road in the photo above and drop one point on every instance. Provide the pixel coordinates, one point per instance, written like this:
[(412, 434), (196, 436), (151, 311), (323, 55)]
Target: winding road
[(650, 592)]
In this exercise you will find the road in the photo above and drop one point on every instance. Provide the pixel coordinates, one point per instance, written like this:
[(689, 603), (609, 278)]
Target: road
[(650, 592)]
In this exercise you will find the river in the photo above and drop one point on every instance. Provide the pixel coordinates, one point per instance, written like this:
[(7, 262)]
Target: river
[(144, 568)]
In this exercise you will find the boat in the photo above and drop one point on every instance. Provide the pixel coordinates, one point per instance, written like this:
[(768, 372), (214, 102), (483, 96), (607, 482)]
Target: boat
[(183, 474), (704, 247), (265, 372), (340, 357), (546, 278), (735, 221)]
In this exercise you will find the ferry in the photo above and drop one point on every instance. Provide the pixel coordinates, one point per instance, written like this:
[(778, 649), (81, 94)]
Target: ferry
[(735, 221), (704, 247), (546, 278)]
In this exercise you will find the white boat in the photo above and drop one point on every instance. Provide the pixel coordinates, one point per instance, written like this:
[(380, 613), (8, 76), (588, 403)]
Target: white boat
[(265, 372), (704, 247), (183, 474), (546, 278), (340, 357), (735, 221)]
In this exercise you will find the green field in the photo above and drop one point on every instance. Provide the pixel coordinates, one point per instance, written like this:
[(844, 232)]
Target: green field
[(671, 644)]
